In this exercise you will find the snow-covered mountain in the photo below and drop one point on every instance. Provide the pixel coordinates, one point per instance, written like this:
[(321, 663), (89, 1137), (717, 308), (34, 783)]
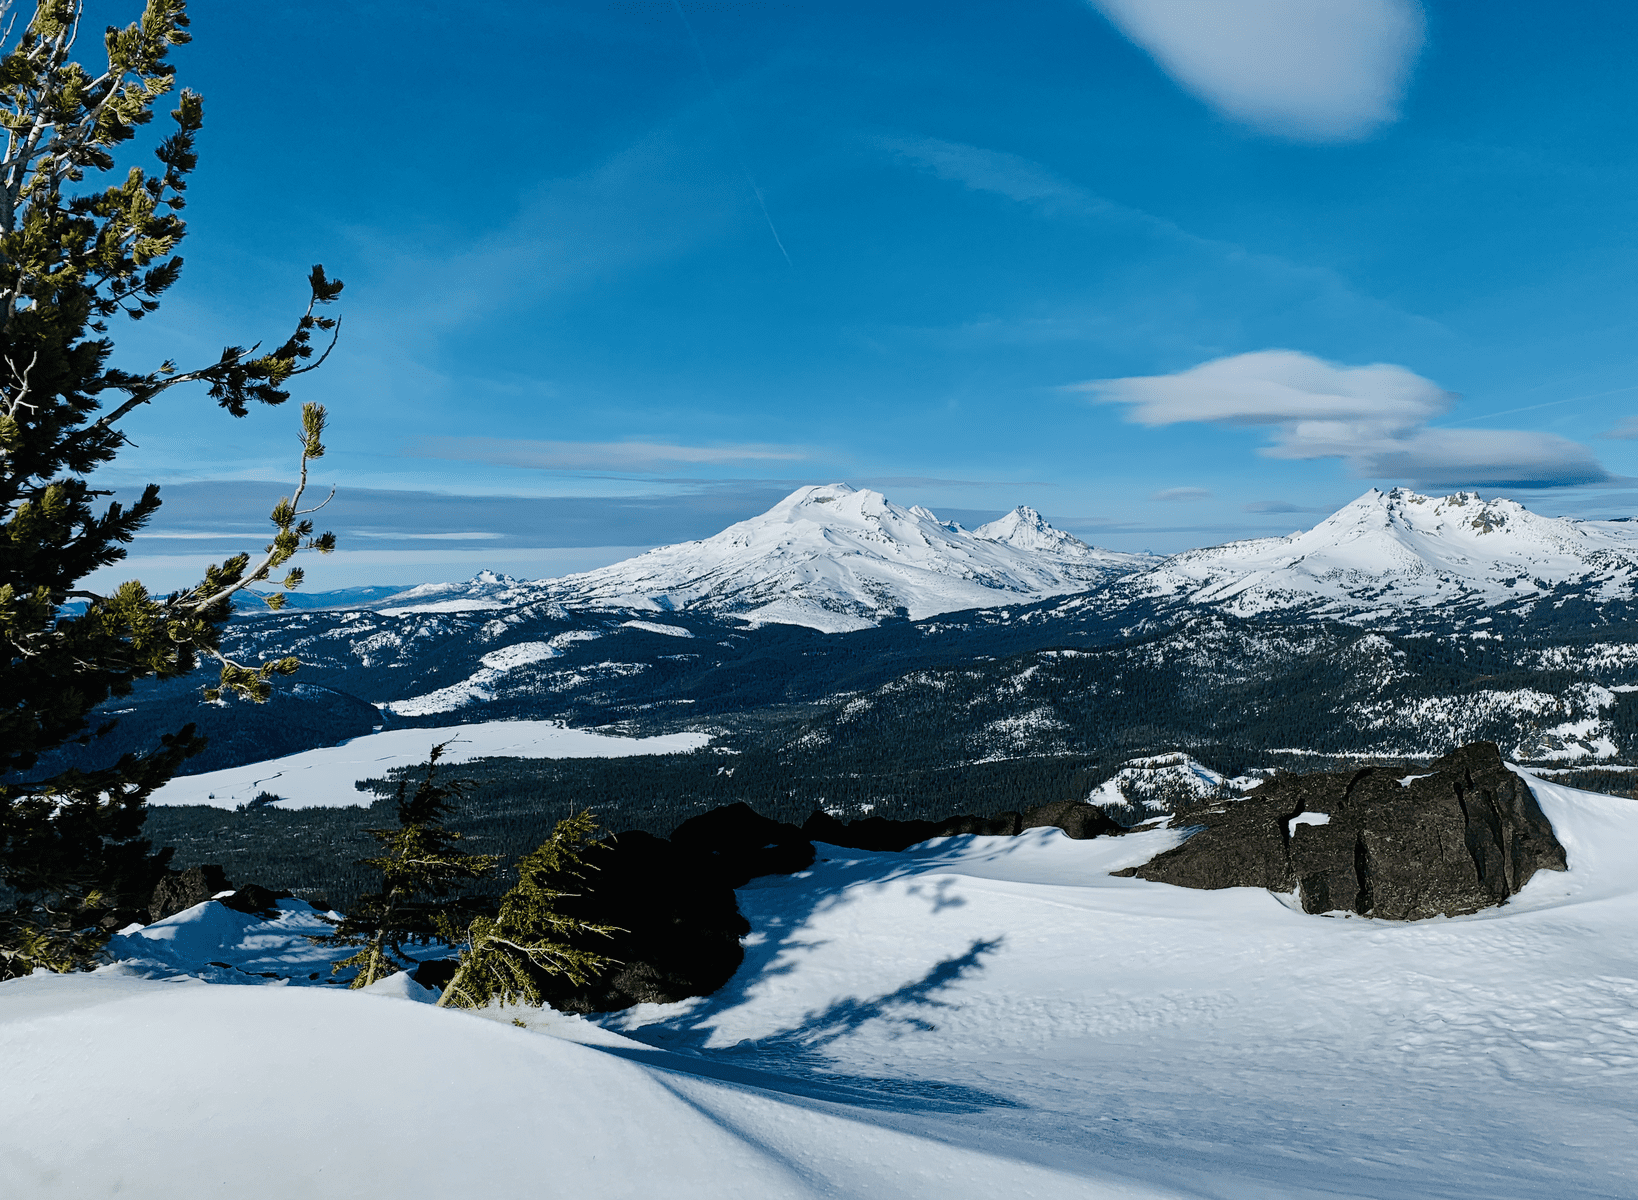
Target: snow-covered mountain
[(834, 558), (1389, 551), (838, 558)]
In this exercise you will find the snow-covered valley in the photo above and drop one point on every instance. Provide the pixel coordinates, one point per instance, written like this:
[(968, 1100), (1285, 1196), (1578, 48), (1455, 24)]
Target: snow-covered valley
[(972, 1017)]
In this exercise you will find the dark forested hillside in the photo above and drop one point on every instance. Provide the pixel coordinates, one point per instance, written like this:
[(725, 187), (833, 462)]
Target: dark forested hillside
[(981, 711)]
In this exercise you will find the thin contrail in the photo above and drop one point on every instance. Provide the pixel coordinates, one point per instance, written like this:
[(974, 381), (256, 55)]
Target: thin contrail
[(1507, 412), (739, 142)]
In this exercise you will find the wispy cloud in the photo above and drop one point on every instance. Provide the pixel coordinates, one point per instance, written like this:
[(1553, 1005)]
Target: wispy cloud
[(1626, 431), (1182, 493), (1313, 71), (221, 517), (1280, 506), (1373, 417), (1037, 187), (594, 456)]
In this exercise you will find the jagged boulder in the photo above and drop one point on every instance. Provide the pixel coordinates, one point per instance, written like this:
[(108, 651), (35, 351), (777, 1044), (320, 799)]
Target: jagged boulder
[(179, 890), (1464, 835)]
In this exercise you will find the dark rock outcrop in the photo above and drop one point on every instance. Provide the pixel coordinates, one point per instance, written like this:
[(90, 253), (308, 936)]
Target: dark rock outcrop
[(435, 972), (179, 890), (735, 844), (1464, 836), (256, 900), (680, 925), (1076, 818)]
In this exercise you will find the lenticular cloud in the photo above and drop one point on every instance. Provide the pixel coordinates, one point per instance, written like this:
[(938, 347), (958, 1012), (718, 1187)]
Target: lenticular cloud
[(1332, 71), (1373, 417)]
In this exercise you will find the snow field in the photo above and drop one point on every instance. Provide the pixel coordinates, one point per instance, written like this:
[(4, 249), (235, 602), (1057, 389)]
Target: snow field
[(324, 778), (975, 1017)]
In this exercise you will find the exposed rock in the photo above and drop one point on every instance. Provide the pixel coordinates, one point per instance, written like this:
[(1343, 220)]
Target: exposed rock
[(736, 843), (256, 900), (680, 926), (435, 972), (1464, 836), (179, 890), (1075, 817)]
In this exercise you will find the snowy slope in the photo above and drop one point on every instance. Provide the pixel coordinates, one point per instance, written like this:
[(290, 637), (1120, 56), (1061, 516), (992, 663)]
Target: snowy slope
[(832, 558), (1394, 550), (976, 1017)]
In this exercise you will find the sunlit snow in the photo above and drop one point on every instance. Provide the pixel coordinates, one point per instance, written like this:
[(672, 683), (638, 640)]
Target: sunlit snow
[(976, 1017)]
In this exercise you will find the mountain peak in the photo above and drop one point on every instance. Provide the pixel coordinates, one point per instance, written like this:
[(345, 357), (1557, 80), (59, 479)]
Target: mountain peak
[(837, 557), (1399, 548)]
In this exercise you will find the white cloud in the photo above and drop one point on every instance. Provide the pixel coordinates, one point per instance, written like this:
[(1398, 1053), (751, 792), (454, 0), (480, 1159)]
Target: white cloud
[(1374, 417), (1271, 387), (1313, 70)]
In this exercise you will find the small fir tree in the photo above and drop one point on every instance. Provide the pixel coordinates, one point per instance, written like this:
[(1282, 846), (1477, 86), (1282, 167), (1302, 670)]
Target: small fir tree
[(73, 257), (507, 956), (421, 874)]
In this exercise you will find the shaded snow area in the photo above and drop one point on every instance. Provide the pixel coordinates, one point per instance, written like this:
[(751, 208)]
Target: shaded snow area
[(973, 1018), (324, 778)]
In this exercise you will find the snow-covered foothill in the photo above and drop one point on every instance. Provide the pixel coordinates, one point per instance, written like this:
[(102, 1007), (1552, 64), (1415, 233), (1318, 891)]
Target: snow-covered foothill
[(324, 778), (1157, 785), (1393, 550), (971, 1018)]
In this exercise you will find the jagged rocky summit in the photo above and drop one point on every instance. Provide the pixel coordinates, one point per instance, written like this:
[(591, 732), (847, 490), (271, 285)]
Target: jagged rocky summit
[(1465, 834)]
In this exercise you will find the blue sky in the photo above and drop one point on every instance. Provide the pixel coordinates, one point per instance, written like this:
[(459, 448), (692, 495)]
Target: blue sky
[(1170, 271)]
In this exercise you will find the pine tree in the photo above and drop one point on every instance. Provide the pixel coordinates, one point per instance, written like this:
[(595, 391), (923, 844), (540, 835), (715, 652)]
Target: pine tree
[(507, 956), (421, 870), (71, 260)]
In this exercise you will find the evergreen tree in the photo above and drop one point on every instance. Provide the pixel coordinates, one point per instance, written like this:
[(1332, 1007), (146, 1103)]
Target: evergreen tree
[(71, 260), (421, 870), (507, 956)]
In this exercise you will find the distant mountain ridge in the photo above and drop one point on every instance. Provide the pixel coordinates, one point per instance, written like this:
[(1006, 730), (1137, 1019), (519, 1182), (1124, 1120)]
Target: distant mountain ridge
[(837, 559)]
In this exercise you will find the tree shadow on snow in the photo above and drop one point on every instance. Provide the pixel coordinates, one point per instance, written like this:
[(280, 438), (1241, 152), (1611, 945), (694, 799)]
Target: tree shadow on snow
[(795, 1060)]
